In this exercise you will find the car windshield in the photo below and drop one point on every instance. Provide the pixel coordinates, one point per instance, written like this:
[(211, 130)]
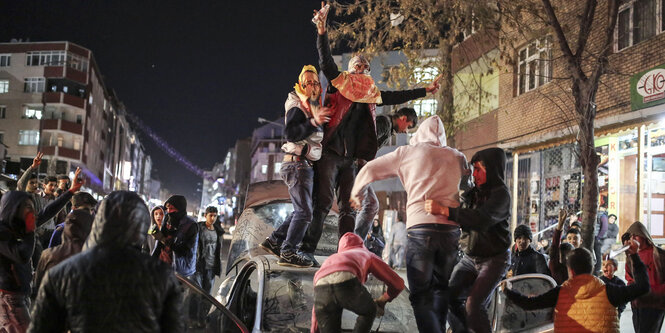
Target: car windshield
[(510, 317), (289, 298)]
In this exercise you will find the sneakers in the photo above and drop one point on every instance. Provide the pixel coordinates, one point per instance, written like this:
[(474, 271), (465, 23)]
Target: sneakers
[(294, 260), (271, 247), (311, 258)]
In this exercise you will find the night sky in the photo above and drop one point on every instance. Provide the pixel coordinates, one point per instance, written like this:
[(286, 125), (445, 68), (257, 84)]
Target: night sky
[(199, 73)]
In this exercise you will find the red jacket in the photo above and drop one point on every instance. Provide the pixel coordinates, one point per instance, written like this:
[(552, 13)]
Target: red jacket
[(352, 256)]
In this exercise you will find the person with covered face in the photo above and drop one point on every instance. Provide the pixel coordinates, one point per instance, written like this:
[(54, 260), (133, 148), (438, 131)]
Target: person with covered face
[(156, 218), (485, 240), (428, 170), (646, 318), (18, 220), (178, 237), (111, 286), (349, 136), (304, 119)]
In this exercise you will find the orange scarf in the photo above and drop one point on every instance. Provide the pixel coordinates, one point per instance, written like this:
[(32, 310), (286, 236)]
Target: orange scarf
[(357, 88)]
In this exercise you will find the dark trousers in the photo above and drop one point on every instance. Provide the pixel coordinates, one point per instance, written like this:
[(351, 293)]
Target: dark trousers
[(200, 306), (597, 247), (431, 253), (477, 276), (298, 176), (331, 299), (333, 173), (647, 320)]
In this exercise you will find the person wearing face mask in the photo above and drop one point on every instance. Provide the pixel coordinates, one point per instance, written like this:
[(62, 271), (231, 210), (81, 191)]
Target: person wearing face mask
[(350, 135), (485, 240), (178, 237), (304, 119), (18, 221)]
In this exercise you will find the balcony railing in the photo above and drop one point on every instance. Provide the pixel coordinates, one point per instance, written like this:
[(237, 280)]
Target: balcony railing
[(62, 152), (63, 125), (58, 97)]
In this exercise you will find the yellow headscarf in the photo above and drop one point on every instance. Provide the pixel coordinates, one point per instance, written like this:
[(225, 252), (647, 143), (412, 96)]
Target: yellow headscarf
[(300, 91)]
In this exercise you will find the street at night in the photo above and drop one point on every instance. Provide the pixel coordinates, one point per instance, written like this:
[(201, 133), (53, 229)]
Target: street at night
[(341, 166)]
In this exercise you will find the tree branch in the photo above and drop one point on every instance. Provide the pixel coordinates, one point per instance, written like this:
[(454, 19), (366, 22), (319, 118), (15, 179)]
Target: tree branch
[(586, 22), (601, 64), (573, 67)]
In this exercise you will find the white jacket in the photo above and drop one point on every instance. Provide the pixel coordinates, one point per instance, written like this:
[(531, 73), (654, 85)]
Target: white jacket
[(427, 168)]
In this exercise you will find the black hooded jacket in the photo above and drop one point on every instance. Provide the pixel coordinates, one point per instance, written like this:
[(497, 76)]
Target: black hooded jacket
[(17, 246), (77, 227), (111, 286), (486, 210)]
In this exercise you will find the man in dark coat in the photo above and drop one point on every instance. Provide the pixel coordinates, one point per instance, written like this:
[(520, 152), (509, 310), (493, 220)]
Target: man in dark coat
[(76, 229), (485, 240), (178, 237), (526, 260), (111, 286)]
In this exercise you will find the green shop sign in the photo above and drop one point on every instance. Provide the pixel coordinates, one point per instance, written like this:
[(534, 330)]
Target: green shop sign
[(647, 88)]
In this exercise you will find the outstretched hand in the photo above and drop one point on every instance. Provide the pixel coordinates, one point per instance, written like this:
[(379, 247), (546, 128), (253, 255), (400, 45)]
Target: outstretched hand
[(563, 214), (323, 16), (78, 182), (322, 115), (434, 86), (37, 160)]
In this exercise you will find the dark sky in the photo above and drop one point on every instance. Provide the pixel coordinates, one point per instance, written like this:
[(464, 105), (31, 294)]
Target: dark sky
[(198, 72)]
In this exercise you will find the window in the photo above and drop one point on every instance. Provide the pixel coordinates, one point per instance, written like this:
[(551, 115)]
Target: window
[(638, 21), (2, 137), (34, 84), (425, 107), (3, 111), (28, 137), (77, 62), (535, 65), (46, 58), (278, 167), (5, 60), (32, 113), (264, 169), (4, 86)]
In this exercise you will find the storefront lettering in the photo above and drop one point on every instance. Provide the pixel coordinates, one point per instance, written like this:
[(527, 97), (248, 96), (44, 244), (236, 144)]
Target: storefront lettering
[(651, 86)]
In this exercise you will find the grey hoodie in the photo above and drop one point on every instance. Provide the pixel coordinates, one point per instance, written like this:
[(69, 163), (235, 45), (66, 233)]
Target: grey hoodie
[(427, 168)]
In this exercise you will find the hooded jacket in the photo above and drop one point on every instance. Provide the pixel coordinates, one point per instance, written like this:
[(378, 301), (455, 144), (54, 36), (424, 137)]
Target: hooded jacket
[(653, 257), (484, 216), (17, 246), (352, 256), (111, 286), (77, 227), (427, 168), (181, 236)]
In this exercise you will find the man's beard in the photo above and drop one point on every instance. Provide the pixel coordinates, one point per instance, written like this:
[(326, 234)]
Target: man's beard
[(314, 102)]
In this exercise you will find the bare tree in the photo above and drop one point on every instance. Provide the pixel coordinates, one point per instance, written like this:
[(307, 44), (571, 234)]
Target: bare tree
[(584, 34), (413, 26)]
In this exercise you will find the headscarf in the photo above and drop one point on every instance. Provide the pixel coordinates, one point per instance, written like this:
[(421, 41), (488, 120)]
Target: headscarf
[(357, 87), (300, 90)]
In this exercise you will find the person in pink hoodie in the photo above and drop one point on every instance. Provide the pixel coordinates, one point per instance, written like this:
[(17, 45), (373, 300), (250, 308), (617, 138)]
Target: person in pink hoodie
[(428, 169), (338, 285)]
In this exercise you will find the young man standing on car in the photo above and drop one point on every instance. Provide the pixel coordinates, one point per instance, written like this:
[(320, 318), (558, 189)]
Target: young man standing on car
[(304, 119)]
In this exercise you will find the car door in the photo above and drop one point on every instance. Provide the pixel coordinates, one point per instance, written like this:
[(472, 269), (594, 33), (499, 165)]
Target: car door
[(508, 317), (215, 316)]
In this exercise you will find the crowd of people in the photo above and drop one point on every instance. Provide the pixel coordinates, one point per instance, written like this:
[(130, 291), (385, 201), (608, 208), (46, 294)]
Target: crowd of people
[(68, 262)]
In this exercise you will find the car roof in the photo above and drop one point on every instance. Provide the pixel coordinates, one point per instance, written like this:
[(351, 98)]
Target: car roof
[(264, 192)]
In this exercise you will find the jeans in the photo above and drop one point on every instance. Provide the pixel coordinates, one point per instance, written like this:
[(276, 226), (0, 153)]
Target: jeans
[(597, 246), (365, 217), (331, 299), (200, 306), (14, 312), (647, 319), (298, 176), (333, 173), (479, 277), (430, 257)]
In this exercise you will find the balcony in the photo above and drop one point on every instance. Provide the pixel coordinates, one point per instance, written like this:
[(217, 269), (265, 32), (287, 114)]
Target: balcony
[(62, 125), (58, 97), (53, 71), (62, 152)]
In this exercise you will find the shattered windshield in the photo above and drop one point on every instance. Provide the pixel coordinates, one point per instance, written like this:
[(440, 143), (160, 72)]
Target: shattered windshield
[(289, 298)]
